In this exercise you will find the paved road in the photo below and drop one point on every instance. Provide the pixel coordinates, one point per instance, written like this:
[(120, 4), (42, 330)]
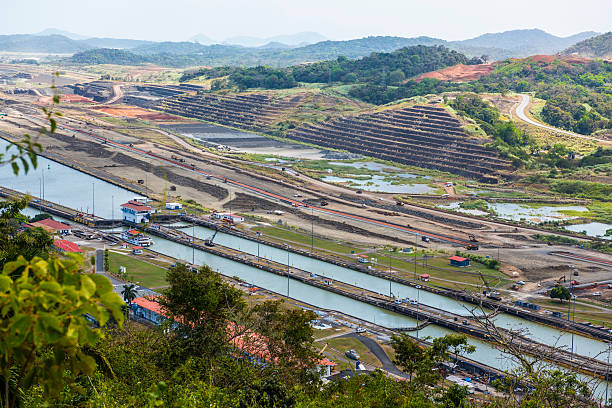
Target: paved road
[(520, 112), (379, 353), (100, 261)]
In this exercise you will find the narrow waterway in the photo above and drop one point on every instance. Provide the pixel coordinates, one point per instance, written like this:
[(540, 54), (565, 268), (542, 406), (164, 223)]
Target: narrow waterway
[(541, 333)]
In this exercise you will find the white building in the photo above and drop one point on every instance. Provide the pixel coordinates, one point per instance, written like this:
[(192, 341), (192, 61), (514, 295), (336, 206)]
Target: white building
[(228, 217), (174, 206), (136, 212)]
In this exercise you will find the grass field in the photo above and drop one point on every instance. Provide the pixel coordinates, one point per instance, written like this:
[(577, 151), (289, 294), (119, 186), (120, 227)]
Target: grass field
[(138, 271), (300, 238), (342, 344)]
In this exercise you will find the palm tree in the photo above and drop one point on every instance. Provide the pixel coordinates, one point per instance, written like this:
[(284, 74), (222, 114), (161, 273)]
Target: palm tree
[(129, 294)]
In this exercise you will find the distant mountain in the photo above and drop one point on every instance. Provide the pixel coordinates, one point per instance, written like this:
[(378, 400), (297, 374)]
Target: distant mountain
[(108, 56), (290, 39), (202, 39), (56, 31), (274, 46), (521, 43), (595, 47), (123, 43), (54, 44), (168, 47)]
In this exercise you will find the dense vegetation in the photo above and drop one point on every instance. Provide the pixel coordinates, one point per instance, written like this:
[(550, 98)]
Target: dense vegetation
[(595, 47), (108, 56), (578, 95), (392, 68)]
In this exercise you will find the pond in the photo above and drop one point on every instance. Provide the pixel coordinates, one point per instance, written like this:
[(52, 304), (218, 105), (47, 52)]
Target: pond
[(522, 212), (382, 184), (592, 229)]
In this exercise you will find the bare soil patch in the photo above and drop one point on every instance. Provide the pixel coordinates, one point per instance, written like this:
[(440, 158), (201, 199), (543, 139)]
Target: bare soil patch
[(136, 113), (459, 73)]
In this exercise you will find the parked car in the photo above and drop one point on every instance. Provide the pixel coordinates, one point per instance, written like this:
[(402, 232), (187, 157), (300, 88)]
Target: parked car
[(352, 354)]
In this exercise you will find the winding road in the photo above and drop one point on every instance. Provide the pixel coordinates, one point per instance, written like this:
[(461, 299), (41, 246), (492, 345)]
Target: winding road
[(520, 112)]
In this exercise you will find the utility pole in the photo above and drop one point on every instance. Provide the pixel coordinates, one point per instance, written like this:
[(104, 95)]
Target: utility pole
[(390, 293), (258, 235), (288, 270), (193, 244), (607, 373), (418, 306), (113, 208), (93, 200), (415, 255), (311, 229)]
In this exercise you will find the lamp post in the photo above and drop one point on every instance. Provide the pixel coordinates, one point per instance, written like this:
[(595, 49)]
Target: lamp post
[(415, 255), (311, 229), (288, 270), (258, 233), (390, 293), (193, 244), (93, 200)]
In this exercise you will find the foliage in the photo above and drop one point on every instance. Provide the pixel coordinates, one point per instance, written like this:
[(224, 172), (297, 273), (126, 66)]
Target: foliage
[(262, 77), (594, 47), (13, 242), (488, 262), (108, 56), (586, 189), (43, 329), (40, 217), (560, 239), (560, 292)]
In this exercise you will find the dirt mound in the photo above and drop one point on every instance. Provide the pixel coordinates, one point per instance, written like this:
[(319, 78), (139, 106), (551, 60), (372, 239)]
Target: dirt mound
[(136, 113), (459, 73)]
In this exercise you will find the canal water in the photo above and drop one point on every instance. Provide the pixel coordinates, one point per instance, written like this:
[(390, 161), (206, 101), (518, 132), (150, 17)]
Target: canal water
[(66, 186), (541, 333), (72, 188)]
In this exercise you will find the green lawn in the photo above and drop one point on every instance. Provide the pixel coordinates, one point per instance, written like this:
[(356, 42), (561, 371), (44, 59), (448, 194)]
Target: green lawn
[(342, 344), (138, 271), (304, 239)]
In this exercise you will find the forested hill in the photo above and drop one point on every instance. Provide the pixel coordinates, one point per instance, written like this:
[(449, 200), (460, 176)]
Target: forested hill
[(379, 68), (596, 47)]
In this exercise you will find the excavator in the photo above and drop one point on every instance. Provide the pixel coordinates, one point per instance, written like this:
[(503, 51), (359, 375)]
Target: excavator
[(209, 242)]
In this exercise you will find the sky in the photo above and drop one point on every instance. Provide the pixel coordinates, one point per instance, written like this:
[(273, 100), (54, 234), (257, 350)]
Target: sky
[(178, 20)]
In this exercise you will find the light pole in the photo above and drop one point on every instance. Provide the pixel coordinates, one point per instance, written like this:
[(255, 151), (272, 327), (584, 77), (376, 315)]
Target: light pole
[(193, 244), (607, 373), (390, 293), (418, 306), (93, 200), (311, 229), (113, 208), (415, 255), (288, 270), (258, 233)]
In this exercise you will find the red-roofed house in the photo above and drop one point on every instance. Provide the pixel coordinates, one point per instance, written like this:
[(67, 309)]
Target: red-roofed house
[(52, 226), (136, 212), (248, 342), (459, 261), (63, 245)]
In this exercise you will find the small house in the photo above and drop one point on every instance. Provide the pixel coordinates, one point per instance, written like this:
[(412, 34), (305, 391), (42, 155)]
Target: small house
[(459, 261), (229, 217), (63, 245), (424, 277), (174, 206), (136, 212), (363, 258), (137, 250), (52, 226)]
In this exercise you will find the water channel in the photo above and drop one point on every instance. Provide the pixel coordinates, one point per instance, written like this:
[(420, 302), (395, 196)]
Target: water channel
[(72, 188)]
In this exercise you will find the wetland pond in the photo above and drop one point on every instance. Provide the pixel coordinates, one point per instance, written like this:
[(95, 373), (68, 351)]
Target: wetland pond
[(522, 212)]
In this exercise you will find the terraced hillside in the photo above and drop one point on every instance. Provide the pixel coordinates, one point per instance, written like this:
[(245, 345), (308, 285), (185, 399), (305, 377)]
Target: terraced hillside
[(424, 136), (252, 111)]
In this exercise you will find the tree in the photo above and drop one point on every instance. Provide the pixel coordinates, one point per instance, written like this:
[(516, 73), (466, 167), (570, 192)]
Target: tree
[(204, 304), (45, 345), (40, 217), (397, 76), (410, 356), (457, 344), (106, 260), (560, 292), (129, 294), (13, 243), (455, 397)]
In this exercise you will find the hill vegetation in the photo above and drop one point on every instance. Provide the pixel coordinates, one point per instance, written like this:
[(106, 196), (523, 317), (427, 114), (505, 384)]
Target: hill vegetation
[(595, 47)]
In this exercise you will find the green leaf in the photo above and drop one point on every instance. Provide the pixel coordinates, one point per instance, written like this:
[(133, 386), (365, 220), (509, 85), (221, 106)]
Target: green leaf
[(103, 284), (5, 283), (88, 286)]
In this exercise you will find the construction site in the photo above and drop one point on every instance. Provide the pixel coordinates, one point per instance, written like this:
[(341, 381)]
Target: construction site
[(143, 139)]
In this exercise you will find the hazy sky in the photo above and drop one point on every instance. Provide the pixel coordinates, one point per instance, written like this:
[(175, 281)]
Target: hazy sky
[(177, 20)]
